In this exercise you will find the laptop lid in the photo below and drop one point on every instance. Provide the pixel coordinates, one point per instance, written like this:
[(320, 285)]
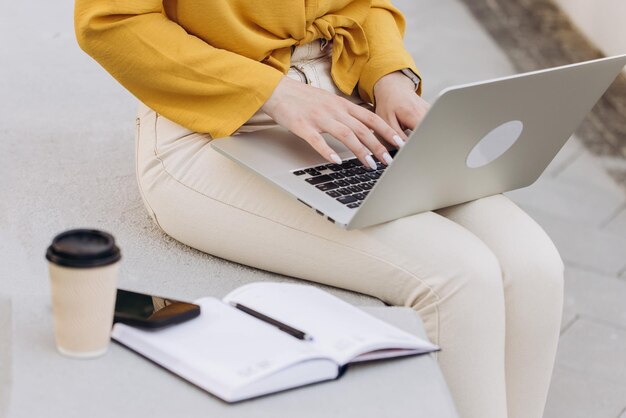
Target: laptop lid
[(541, 109)]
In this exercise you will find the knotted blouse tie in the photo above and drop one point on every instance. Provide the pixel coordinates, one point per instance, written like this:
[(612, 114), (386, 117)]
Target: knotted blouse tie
[(350, 50)]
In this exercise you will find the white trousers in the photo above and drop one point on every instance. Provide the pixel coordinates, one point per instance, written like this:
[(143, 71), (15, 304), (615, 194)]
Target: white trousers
[(484, 277)]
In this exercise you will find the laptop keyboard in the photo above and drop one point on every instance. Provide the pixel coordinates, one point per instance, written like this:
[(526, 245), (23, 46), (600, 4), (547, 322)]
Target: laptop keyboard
[(349, 182)]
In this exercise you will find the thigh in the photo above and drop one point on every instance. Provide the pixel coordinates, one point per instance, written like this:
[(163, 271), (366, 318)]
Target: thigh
[(205, 200)]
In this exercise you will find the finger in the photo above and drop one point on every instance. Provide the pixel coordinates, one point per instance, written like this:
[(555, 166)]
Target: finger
[(319, 144), (408, 118), (375, 122), (347, 137), (393, 122), (367, 138), (420, 109)]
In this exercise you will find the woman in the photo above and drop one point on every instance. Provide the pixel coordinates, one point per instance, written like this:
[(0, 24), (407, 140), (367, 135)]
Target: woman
[(484, 277)]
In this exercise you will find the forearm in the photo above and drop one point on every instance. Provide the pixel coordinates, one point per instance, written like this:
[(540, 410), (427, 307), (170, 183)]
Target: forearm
[(178, 75)]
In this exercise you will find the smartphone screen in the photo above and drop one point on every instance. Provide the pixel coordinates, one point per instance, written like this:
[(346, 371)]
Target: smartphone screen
[(150, 311)]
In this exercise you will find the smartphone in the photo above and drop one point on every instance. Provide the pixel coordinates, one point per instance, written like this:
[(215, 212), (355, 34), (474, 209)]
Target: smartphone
[(151, 312)]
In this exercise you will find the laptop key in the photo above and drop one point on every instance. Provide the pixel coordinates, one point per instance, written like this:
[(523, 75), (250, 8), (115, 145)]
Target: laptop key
[(359, 196), (342, 183), (334, 167), (353, 205), (355, 189), (299, 173), (345, 191), (353, 180), (327, 186), (321, 168), (333, 193), (312, 171), (346, 199), (319, 179), (337, 176)]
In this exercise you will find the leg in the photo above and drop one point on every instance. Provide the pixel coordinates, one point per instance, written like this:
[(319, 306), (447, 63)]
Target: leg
[(533, 290), (424, 261)]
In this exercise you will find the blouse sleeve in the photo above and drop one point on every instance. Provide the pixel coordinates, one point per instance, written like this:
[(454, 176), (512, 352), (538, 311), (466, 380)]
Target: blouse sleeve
[(384, 29), (180, 76)]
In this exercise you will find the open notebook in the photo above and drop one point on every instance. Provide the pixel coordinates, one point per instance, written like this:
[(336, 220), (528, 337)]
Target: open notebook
[(236, 356)]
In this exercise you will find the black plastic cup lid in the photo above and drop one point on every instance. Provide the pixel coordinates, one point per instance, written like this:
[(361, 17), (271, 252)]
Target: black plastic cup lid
[(83, 248)]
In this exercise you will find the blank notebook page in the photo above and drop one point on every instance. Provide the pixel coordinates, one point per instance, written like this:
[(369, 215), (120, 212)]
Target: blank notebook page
[(338, 328)]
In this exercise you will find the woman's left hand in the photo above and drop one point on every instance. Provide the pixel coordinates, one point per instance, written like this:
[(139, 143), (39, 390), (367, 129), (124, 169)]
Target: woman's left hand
[(398, 104)]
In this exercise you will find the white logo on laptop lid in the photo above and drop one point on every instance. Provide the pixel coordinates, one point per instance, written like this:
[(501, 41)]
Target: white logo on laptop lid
[(494, 144)]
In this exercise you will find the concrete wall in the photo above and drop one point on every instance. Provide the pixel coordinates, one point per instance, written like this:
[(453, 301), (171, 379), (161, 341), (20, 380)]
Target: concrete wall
[(602, 21)]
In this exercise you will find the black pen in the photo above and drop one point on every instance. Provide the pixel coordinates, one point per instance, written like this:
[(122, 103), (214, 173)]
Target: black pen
[(301, 335)]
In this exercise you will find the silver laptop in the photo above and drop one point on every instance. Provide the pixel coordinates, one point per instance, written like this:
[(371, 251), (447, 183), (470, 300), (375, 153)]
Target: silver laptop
[(477, 140)]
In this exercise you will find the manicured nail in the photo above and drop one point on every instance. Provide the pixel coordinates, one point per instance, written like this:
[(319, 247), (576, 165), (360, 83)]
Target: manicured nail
[(335, 158), (387, 158), (370, 162), (398, 140)]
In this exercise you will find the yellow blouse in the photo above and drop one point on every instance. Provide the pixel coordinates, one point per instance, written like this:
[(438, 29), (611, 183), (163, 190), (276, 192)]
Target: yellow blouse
[(210, 65)]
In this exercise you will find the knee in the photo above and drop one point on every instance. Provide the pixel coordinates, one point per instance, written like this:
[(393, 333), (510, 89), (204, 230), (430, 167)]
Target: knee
[(465, 294), (535, 268), (548, 268), (477, 275), (466, 272)]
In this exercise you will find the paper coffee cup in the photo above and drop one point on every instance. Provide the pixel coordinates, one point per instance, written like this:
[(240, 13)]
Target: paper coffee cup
[(83, 266)]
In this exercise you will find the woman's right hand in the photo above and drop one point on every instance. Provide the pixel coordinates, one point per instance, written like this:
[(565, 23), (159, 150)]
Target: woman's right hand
[(308, 111)]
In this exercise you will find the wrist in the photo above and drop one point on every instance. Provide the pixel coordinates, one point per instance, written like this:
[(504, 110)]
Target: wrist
[(274, 98), (395, 79)]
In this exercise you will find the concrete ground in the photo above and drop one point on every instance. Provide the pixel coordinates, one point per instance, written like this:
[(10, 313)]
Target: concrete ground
[(66, 158)]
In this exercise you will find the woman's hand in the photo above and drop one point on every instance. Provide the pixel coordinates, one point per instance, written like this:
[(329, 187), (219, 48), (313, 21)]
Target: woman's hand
[(397, 103), (309, 111)]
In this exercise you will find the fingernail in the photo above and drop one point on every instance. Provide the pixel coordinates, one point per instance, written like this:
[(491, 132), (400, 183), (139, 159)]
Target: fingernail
[(335, 158), (398, 140), (370, 162), (387, 158)]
